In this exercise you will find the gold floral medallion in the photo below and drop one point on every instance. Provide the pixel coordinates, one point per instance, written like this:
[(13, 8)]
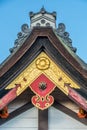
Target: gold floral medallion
[(42, 63)]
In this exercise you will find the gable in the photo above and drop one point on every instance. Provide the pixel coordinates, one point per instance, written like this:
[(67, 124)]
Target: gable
[(51, 70), (41, 65), (43, 41)]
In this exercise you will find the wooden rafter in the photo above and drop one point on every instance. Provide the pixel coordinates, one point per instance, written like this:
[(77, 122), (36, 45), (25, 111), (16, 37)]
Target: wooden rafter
[(69, 112), (17, 112)]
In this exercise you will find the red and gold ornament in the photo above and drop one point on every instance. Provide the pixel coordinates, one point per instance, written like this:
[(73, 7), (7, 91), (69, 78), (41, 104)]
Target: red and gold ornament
[(42, 87)]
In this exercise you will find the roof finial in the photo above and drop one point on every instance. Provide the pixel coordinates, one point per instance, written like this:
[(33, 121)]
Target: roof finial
[(42, 10)]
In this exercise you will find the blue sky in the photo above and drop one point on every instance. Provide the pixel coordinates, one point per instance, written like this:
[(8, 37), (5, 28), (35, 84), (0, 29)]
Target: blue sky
[(14, 13)]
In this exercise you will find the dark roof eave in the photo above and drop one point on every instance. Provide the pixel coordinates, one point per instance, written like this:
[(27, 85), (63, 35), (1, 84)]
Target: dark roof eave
[(47, 32)]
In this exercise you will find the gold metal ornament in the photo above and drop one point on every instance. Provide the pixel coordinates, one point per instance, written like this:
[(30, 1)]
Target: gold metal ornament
[(42, 63)]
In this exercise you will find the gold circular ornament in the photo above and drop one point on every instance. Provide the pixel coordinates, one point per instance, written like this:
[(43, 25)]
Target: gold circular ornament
[(42, 63)]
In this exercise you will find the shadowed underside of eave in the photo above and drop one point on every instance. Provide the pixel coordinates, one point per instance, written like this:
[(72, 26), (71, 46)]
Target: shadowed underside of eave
[(56, 105)]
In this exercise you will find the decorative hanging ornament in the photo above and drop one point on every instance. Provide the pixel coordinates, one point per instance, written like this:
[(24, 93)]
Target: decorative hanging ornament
[(42, 87)]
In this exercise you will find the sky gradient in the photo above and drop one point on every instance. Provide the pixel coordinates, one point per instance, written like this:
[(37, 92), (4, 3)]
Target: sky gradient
[(14, 13)]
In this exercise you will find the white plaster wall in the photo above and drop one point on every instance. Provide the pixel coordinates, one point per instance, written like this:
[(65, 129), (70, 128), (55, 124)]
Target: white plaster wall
[(57, 121), (60, 121), (26, 121)]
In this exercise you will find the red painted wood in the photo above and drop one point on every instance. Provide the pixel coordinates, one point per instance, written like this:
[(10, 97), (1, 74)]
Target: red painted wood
[(77, 98), (42, 87), (35, 86), (8, 98)]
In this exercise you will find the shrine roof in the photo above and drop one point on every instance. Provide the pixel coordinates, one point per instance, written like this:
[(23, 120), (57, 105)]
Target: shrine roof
[(57, 45)]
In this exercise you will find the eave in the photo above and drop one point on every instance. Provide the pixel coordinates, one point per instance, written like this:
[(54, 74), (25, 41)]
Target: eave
[(42, 39), (43, 32)]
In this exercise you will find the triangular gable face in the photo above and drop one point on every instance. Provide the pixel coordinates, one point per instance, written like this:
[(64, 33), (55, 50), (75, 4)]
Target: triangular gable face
[(42, 76)]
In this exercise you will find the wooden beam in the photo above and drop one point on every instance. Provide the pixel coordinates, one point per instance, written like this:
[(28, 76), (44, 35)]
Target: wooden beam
[(43, 119), (17, 112), (69, 112)]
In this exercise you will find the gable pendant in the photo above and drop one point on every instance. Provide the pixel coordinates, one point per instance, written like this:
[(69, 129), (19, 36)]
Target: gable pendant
[(42, 87)]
